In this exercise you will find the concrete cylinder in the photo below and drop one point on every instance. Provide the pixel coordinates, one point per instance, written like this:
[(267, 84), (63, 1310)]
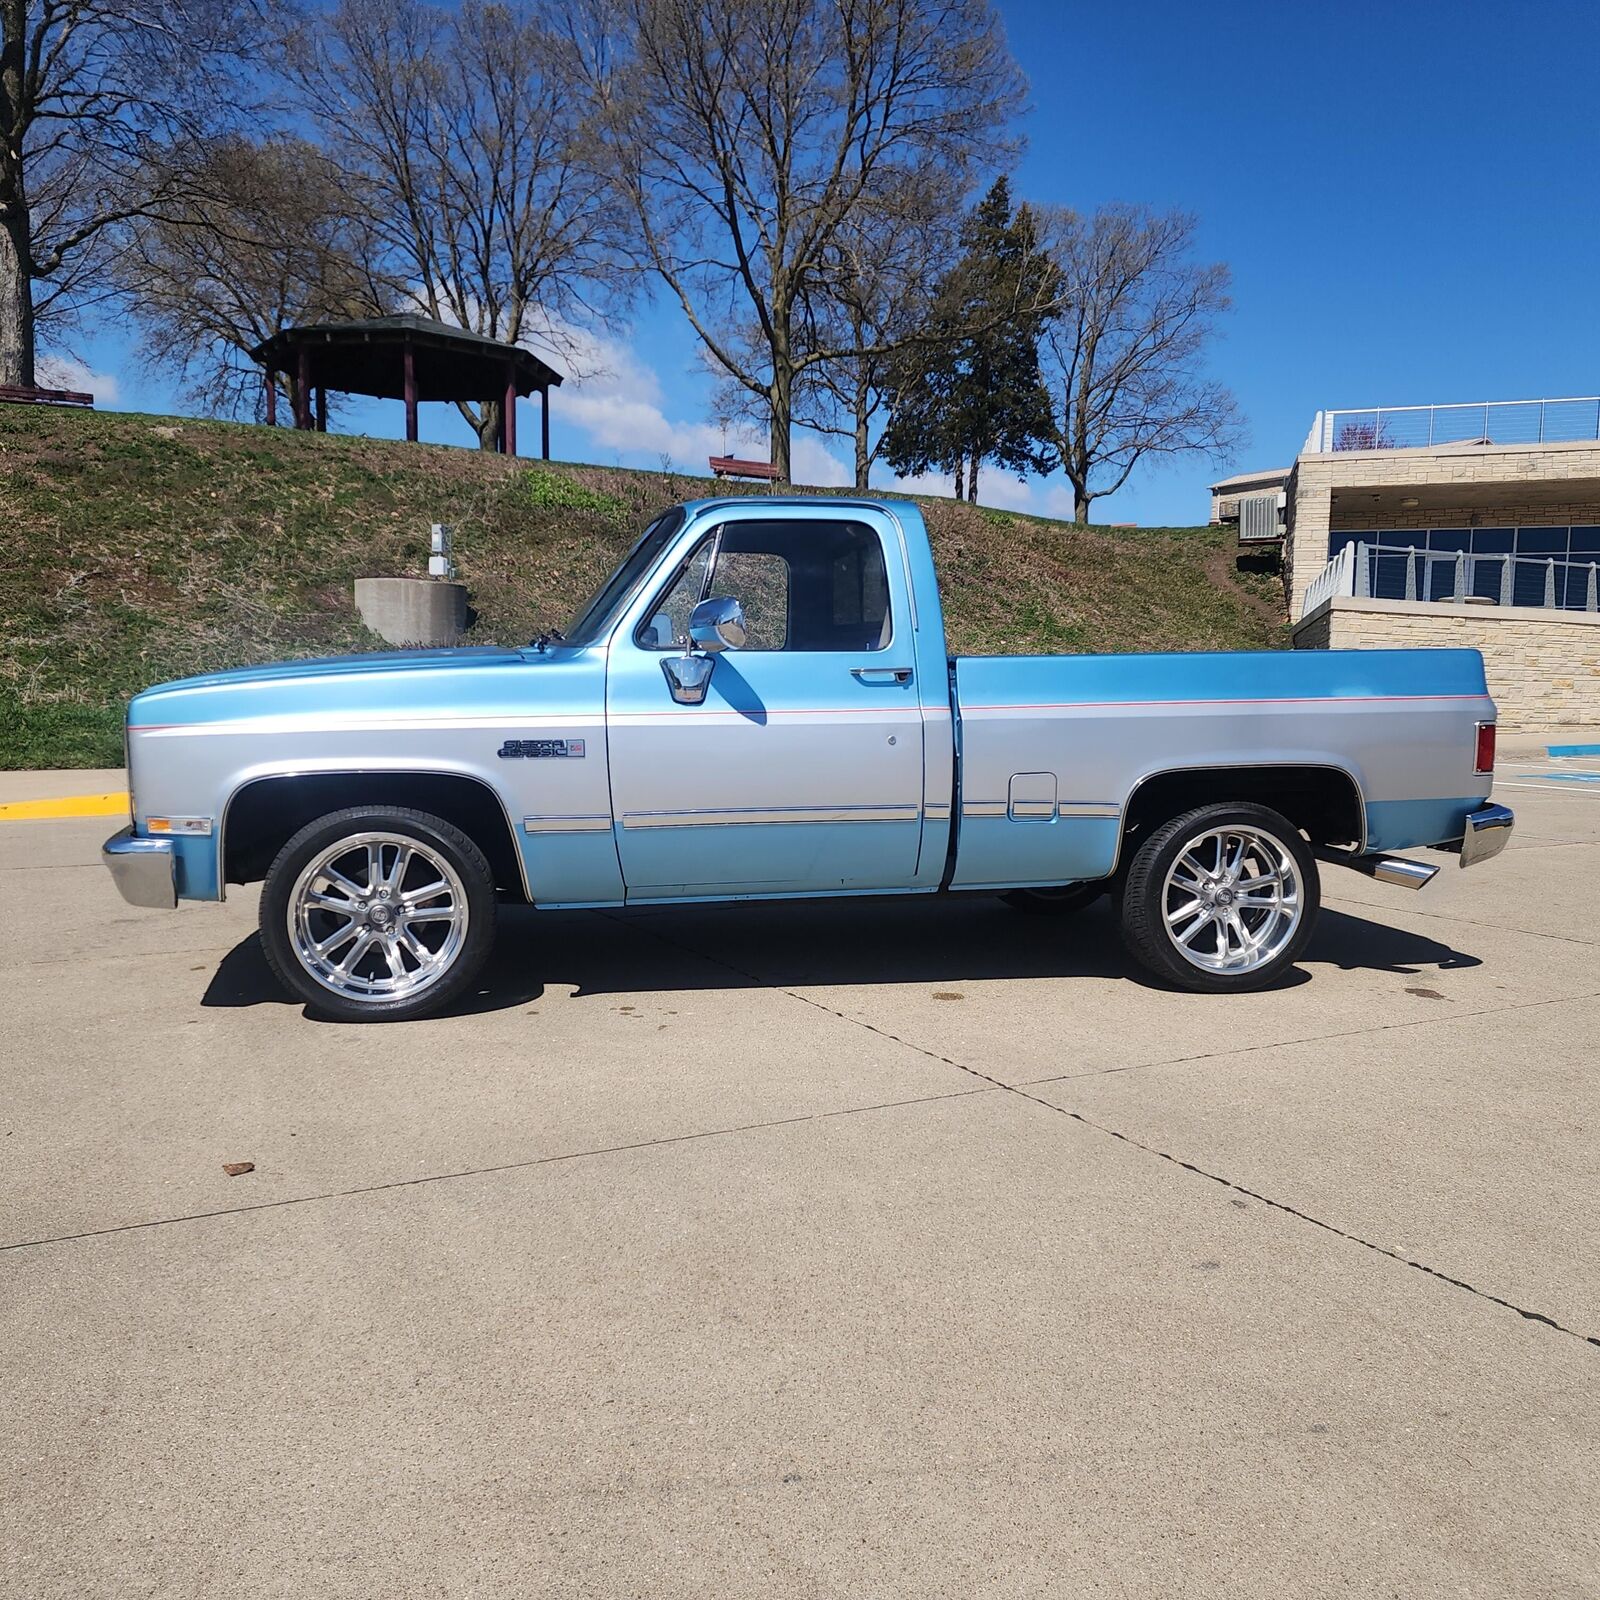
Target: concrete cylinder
[(420, 611)]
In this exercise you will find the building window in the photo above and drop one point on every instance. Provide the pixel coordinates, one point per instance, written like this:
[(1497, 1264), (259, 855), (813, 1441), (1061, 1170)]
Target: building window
[(1430, 574)]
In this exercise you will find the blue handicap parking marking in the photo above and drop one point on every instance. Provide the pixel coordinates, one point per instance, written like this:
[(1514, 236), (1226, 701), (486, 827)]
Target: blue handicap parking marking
[(1563, 777)]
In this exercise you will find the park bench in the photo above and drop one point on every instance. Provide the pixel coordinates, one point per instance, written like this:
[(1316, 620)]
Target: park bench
[(21, 394), (731, 467)]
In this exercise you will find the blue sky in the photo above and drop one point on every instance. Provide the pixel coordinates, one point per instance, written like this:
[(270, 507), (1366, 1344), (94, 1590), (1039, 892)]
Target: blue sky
[(1407, 195)]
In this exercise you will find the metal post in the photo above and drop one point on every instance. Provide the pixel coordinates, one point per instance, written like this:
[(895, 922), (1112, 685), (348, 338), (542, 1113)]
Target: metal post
[(410, 392), (544, 422), (302, 391), (322, 408), (510, 412), (272, 399)]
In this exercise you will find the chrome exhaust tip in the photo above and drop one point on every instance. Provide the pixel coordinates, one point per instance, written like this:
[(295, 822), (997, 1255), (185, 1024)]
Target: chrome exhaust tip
[(1396, 869), (1386, 869)]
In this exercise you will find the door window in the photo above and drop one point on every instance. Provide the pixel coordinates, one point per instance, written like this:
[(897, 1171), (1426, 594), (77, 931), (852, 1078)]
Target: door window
[(813, 586)]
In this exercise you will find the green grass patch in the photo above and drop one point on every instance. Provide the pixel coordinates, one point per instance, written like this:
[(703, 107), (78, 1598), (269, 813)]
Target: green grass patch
[(148, 548)]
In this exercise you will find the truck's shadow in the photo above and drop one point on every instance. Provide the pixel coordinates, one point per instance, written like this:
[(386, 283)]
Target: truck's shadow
[(824, 942)]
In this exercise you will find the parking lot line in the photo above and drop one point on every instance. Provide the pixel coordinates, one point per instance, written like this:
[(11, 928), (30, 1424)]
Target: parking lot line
[(114, 804)]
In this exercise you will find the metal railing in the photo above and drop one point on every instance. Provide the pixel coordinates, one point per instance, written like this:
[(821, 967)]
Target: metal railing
[(1456, 577), (1484, 422)]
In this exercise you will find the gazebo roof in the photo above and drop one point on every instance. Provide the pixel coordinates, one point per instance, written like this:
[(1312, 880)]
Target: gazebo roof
[(366, 356)]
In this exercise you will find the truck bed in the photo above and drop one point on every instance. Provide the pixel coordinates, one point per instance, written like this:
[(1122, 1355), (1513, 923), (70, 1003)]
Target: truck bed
[(1054, 748)]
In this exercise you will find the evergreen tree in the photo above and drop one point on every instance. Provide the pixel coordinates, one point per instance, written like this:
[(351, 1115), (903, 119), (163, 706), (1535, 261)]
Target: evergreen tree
[(970, 390)]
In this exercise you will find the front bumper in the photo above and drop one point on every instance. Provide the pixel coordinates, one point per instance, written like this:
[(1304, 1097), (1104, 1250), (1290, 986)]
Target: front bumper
[(142, 869), (1488, 833)]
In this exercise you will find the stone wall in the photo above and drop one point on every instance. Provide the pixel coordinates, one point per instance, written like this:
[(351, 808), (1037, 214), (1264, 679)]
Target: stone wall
[(1543, 666), (1481, 514)]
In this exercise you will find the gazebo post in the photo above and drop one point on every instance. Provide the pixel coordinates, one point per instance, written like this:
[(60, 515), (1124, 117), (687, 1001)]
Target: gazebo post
[(272, 400), (322, 408), (508, 413), (411, 392), (302, 390), (544, 421)]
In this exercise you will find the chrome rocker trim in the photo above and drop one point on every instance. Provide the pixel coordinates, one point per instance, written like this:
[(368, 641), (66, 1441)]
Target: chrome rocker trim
[(142, 869)]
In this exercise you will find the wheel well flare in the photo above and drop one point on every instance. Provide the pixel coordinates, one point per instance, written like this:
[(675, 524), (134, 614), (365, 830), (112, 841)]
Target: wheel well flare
[(1323, 802), (265, 813)]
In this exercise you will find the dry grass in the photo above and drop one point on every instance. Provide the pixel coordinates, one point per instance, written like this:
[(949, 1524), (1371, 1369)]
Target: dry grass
[(145, 548)]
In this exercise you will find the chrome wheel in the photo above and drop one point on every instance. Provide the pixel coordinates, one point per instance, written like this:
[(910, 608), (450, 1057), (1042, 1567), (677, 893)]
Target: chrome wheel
[(1232, 899), (377, 916)]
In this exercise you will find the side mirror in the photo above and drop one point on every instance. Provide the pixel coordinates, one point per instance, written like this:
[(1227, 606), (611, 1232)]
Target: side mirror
[(717, 624)]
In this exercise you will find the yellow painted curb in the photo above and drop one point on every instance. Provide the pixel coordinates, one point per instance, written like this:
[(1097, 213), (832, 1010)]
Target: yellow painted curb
[(72, 805)]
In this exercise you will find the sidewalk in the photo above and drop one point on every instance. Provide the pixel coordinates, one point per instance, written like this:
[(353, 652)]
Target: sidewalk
[(1523, 745)]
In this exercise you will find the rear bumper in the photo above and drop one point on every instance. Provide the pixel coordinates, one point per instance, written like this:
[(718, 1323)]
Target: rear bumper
[(1488, 833), (142, 869)]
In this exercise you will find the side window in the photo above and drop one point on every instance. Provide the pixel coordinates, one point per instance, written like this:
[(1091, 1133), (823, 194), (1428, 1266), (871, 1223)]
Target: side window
[(804, 585), (760, 581), (670, 623)]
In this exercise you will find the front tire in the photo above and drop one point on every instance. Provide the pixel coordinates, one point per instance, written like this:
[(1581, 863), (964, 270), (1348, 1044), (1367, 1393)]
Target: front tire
[(378, 913), (1221, 899)]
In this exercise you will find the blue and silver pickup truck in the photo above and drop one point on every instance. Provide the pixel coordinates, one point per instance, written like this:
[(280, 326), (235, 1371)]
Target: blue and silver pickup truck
[(758, 704)]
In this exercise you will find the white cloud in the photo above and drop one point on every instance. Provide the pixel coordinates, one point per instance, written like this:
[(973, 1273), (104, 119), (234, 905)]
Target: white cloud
[(616, 399), (62, 372), (1001, 490)]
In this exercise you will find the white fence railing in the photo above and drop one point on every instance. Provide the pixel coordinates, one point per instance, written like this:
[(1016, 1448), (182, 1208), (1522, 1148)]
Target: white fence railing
[(1483, 422), (1338, 577), (1456, 577)]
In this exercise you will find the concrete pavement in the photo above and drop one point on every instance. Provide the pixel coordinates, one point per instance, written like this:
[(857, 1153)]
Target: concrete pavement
[(865, 1249)]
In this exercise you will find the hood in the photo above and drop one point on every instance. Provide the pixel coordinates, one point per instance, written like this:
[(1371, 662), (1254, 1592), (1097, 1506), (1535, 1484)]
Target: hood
[(339, 666), (383, 684)]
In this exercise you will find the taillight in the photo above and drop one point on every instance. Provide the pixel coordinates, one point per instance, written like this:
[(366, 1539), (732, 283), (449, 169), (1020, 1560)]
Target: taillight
[(1485, 757)]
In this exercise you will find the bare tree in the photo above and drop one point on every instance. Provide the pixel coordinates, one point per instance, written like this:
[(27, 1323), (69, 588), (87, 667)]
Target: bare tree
[(89, 89), (872, 297), (259, 236), (465, 131), (749, 140), (1125, 359)]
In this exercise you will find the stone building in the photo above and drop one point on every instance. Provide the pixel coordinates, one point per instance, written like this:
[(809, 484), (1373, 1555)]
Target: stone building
[(1457, 525)]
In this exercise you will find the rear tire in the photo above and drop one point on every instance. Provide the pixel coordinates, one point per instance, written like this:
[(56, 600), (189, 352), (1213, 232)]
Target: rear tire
[(378, 914), (1221, 899)]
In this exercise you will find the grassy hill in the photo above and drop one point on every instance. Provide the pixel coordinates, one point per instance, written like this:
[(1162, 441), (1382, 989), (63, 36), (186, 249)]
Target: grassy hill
[(144, 548)]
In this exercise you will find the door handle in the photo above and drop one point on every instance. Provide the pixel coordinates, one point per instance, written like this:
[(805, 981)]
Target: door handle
[(881, 674)]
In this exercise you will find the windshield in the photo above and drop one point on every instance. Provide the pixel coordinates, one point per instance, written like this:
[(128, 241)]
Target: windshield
[(595, 617)]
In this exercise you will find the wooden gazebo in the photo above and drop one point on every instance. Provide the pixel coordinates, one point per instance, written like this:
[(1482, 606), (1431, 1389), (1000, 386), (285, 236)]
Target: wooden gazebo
[(406, 358)]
